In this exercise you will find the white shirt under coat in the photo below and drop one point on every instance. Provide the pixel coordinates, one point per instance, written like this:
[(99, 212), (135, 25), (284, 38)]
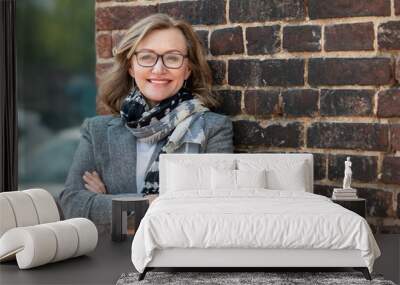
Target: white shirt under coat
[(144, 154)]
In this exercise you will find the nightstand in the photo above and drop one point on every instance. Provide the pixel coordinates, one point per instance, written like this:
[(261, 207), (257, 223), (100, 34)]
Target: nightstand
[(356, 205), (120, 208)]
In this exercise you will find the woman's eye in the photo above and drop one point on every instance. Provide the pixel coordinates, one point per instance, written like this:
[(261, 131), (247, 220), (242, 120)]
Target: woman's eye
[(172, 58), (147, 57)]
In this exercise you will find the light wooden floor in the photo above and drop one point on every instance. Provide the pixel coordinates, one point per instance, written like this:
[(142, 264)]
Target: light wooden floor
[(389, 262)]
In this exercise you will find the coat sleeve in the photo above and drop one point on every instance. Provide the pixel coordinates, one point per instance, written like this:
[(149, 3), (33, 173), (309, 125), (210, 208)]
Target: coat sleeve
[(219, 132), (75, 200)]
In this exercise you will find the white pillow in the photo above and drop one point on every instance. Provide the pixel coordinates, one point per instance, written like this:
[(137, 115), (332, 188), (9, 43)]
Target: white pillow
[(251, 178), (282, 174), (225, 179), (188, 175)]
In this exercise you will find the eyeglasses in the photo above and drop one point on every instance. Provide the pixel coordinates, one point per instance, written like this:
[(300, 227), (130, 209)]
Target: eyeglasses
[(171, 60)]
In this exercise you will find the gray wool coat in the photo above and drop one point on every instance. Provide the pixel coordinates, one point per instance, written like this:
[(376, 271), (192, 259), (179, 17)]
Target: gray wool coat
[(108, 147)]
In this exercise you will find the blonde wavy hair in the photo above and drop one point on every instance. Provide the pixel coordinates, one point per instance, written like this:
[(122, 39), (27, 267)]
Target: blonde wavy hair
[(115, 85)]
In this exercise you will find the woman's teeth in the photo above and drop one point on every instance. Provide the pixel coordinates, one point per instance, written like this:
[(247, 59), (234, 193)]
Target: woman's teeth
[(159, 81)]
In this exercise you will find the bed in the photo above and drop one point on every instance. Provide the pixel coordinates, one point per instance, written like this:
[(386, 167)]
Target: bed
[(247, 210)]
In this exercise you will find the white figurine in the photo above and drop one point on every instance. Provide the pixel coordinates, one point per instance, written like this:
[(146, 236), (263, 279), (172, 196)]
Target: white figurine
[(347, 174)]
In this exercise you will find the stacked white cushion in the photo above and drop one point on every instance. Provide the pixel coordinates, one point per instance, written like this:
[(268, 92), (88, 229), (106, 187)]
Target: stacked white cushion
[(27, 208), (282, 174), (41, 244), (7, 218), (45, 205), (66, 237), (23, 209), (31, 230), (87, 234)]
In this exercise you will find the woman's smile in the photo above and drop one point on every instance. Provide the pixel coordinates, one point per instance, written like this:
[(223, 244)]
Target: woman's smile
[(158, 82)]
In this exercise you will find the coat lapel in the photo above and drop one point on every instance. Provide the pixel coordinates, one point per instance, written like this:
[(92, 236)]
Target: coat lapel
[(122, 151)]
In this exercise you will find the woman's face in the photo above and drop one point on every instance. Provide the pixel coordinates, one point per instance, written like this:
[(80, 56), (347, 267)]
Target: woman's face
[(159, 82)]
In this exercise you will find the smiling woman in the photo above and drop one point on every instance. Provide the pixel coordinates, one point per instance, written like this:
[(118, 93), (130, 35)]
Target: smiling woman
[(159, 96)]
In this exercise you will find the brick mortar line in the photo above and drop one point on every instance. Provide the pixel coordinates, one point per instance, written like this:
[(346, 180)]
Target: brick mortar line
[(242, 103), (226, 72), (207, 51), (326, 166), (281, 39), (392, 8), (393, 220), (375, 43), (305, 75), (392, 188), (227, 8), (379, 164), (347, 152), (306, 126), (308, 55), (128, 4), (100, 33), (395, 201), (277, 88), (280, 99), (384, 221), (272, 88), (325, 151), (101, 60), (375, 102), (319, 119), (332, 21), (244, 41)]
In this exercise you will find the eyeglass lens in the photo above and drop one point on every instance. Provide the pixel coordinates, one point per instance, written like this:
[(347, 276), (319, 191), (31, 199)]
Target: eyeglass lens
[(170, 60)]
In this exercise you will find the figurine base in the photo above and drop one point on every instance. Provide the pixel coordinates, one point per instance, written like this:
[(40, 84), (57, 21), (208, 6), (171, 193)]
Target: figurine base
[(344, 189)]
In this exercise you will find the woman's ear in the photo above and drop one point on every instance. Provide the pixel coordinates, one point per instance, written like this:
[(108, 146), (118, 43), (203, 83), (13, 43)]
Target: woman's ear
[(187, 72), (131, 72)]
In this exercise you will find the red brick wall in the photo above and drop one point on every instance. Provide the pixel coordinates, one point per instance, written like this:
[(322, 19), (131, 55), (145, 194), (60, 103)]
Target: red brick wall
[(316, 76)]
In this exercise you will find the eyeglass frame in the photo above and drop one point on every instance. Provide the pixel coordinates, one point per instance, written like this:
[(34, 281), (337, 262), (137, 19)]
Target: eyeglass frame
[(162, 58)]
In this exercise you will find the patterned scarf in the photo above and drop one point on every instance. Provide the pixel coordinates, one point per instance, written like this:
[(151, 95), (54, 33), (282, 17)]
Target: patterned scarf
[(177, 119)]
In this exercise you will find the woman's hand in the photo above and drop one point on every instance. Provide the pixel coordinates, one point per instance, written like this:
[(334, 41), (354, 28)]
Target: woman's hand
[(94, 183)]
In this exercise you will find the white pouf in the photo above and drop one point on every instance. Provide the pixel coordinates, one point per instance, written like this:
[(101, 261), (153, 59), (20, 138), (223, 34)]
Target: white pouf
[(32, 233)]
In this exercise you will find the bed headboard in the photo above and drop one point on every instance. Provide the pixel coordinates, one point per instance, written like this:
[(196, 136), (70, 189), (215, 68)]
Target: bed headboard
[(275, 160)]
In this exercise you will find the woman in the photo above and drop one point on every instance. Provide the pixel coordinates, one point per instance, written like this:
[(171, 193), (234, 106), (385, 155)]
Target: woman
[(159, 94)]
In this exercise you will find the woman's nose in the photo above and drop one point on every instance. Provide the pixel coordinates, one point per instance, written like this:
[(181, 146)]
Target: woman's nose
[(159, 67)]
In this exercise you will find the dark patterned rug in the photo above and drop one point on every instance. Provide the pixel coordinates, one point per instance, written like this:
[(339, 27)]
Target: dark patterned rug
[(243, 278)]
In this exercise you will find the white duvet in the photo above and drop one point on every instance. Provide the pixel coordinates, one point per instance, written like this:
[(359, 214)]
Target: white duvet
[(253, 218)]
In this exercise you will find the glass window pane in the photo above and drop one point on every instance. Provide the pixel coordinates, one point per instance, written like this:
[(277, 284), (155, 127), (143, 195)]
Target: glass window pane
[(55, 86)]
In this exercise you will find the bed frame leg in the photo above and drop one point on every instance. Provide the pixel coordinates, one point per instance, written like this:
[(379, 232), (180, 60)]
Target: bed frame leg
[(364, 271), (143, 274)]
